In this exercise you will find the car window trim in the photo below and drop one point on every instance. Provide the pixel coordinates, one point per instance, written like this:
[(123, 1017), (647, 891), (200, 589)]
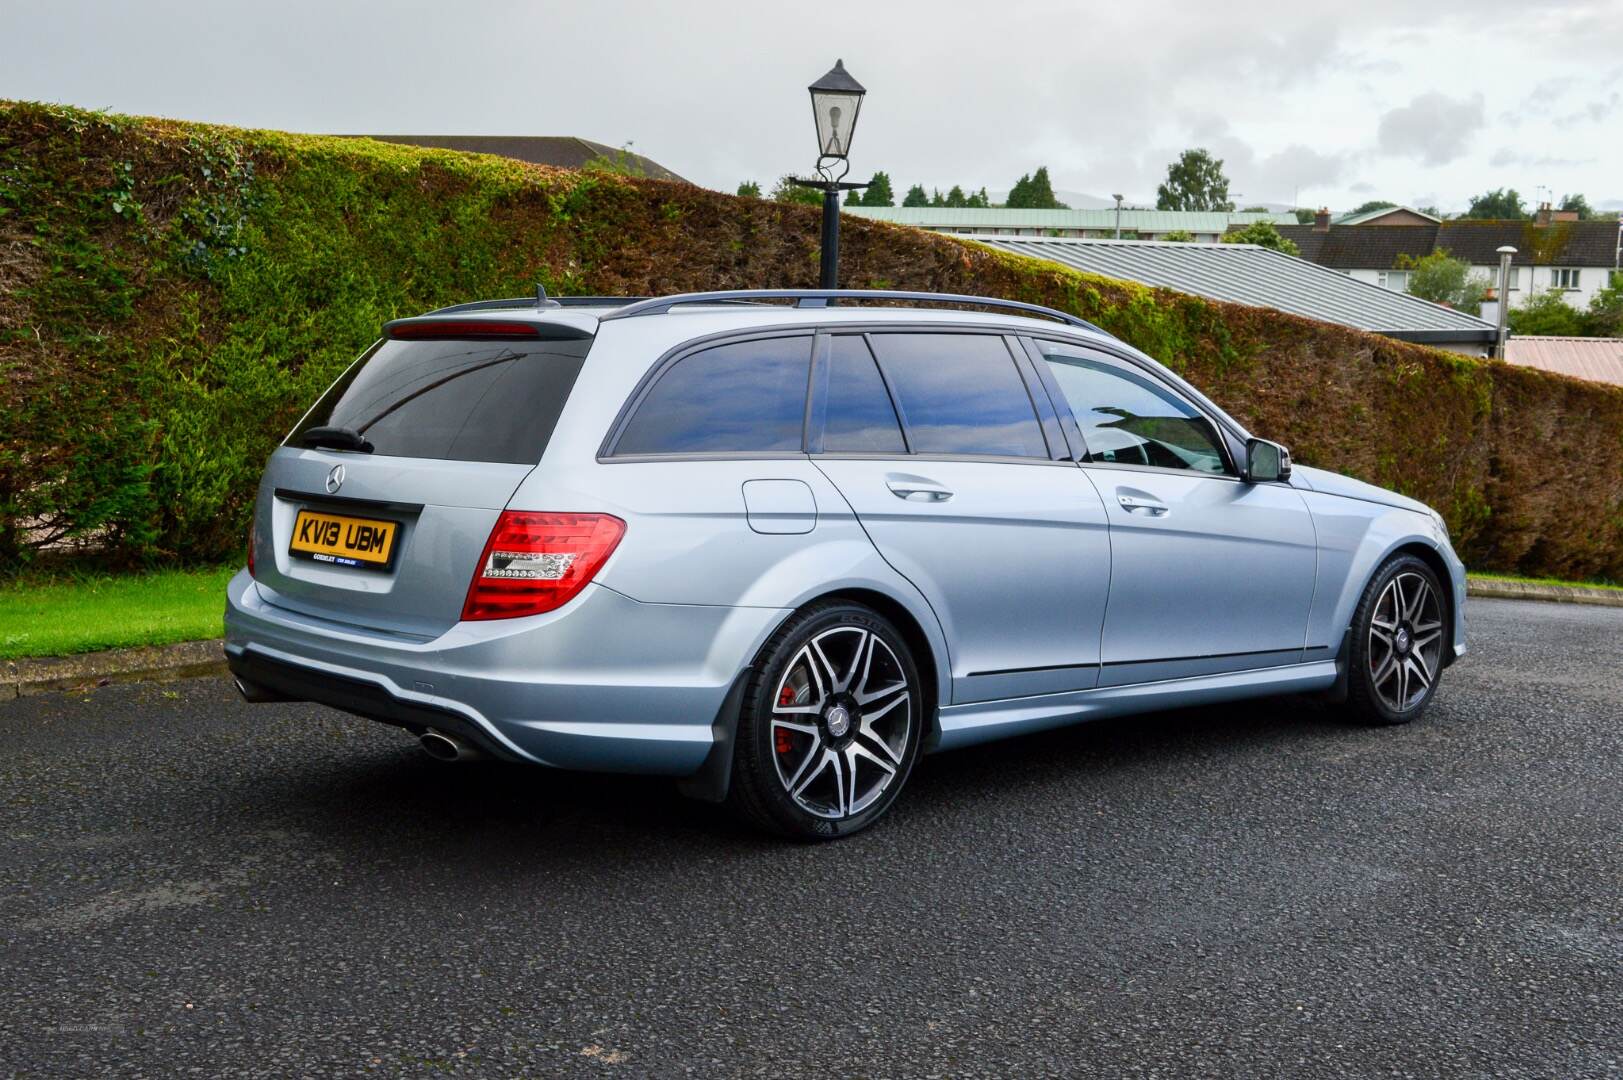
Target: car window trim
[(606, 453), (1041, 402), (817, 410), (1109, 359)]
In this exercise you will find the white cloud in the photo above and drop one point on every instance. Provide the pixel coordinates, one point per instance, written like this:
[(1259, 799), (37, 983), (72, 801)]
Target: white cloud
[(1105, 95), (1433, 128)]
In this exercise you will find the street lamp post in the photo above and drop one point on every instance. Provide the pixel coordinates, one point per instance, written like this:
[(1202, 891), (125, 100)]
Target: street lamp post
[(836, 101), (1118, 215), (1506, 253)]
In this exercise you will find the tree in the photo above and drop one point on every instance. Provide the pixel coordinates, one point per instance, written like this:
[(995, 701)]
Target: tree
[(1194, 182), (1547, 312), (1184, 236), (980, 199), (1605, 315), (1374, 204), (1253, 210), (1304, 216), (749, 189), (1443, 279), (1034, 192), (1497, 205), (915, 196), (853, 197), (1263, 234), (1020, 193), (956, 197), (879, 193), (785, 192), (1578, 203)]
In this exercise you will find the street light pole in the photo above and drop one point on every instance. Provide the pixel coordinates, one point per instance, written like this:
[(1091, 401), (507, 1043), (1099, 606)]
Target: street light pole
[(836, 102), (1118, 215), (1506, 253)]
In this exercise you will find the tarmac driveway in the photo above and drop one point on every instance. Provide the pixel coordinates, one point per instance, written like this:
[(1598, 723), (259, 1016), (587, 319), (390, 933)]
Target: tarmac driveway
[(189, 882)]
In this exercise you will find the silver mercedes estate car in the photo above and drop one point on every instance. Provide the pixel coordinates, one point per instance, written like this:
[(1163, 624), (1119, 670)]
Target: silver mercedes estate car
[(778, 544)]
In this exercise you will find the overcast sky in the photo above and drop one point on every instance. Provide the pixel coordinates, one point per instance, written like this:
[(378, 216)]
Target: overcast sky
[(1417, 101)]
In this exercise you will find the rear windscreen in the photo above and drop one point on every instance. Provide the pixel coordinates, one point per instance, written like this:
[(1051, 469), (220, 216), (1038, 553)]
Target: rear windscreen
[(453, 400)]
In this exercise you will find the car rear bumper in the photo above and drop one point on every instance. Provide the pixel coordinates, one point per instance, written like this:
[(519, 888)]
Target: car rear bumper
[(606, 683)]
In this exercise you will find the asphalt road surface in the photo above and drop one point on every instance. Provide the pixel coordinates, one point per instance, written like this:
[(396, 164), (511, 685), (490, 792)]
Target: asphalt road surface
[(193, 885)]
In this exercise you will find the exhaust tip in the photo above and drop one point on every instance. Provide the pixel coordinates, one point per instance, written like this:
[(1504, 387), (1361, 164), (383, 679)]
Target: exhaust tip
[(254, 693), (442, 747)]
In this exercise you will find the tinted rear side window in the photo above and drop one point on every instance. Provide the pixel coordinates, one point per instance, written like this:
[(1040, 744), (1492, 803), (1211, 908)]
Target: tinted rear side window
[(453, 400), (859, 417), (743, 397), (960, 394)]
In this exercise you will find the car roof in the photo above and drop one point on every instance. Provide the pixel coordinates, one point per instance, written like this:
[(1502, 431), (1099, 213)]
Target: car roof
[(787, 307), (669, 321)]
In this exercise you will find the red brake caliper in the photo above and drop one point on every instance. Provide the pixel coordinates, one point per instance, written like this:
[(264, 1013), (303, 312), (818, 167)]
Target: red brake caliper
[(784, 742)]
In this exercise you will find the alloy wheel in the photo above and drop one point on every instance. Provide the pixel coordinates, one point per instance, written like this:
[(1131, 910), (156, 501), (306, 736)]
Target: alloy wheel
[(841, 718), (1405, 641)]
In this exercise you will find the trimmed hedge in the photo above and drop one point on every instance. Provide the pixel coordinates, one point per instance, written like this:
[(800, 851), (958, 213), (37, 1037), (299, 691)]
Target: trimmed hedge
[(173, 295)]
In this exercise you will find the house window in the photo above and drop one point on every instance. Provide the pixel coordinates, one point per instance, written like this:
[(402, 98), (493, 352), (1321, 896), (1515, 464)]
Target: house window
[(1513, 278), (1563, 278), (1396, 280)]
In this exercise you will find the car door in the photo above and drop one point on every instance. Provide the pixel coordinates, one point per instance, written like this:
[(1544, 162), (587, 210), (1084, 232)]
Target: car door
[(949, 452), (1208, 573)]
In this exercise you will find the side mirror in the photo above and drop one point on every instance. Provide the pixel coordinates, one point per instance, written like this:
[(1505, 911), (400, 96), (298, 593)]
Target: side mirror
[(1266, 462)]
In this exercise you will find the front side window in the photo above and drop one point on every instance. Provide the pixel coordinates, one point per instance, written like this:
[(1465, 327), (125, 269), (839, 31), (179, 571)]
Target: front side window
[(1129, 419), (743, 397), (1396, 280), (1563, 278), (960, 394)]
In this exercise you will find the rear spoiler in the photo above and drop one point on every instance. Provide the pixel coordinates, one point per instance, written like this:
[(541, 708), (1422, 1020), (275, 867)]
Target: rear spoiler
[(438, 328)]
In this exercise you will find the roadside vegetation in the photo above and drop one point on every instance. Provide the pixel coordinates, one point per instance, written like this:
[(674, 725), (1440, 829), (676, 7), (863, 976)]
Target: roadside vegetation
[(173, 295), (75, 613), (1611, 585)]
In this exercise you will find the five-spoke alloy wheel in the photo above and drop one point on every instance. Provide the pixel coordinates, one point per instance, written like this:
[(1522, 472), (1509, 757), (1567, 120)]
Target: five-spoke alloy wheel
[(1399, 637), (830, 725)]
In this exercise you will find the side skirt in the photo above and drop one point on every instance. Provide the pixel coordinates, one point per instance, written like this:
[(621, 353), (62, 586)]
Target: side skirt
[(983, 721)]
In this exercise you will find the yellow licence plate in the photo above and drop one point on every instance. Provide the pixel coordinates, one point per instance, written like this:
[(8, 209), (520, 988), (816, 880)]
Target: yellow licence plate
[(343, 540)]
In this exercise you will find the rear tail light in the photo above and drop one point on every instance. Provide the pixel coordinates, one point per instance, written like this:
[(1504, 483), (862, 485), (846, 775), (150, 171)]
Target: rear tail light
[(539, 562), (441, 329), (253, 529)]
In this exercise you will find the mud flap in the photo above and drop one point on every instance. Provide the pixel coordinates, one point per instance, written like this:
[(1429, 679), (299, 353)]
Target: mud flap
[(714, 778)]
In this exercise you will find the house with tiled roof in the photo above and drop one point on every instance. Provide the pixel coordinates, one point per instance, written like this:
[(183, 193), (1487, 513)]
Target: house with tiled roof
[(1390, 215), (1553, 251)]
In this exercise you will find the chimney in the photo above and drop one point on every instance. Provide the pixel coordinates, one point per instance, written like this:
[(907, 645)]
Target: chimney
[(1321, 220), (1542, 218), (1564, 215)]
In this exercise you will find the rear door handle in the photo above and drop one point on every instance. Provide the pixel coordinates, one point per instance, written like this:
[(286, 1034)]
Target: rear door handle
[(1138, 504), (918, 490)]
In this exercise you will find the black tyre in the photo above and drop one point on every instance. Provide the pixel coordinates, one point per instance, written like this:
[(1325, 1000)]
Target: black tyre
[(1399, 632), (830, 724)]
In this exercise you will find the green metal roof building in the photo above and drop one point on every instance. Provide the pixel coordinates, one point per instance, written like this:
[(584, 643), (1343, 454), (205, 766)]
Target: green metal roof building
[(1204, 226)]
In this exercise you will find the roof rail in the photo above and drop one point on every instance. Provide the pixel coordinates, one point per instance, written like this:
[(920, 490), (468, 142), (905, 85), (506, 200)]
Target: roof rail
[(815, 298), (514, 302)]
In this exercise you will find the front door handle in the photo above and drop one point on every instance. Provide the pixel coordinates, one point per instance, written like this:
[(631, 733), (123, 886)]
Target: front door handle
[(916, 490), (1138, 504)]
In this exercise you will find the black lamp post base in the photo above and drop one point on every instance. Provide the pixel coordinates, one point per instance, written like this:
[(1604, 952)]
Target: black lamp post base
[(829, 265)]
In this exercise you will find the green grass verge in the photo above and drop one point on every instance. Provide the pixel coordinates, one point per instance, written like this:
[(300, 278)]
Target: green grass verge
[(56, 616), (1547, 581)]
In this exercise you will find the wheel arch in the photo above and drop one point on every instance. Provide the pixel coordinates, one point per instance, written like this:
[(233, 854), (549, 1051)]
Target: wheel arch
[(714, 777)]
